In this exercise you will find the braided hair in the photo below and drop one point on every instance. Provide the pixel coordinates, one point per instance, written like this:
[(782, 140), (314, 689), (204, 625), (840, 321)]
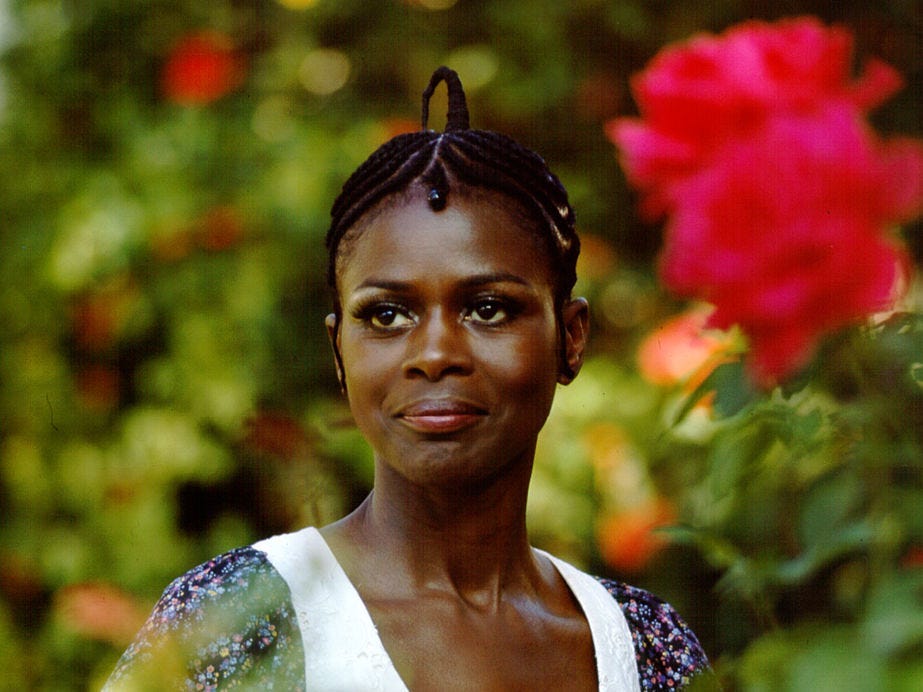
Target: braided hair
[(469, 157)]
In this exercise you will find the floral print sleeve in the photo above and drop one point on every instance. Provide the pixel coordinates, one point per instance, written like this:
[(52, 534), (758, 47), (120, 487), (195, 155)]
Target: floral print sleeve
[(226, 624), (668, 653)]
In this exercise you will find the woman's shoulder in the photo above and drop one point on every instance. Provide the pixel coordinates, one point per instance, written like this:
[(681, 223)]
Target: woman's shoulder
[(225, 619), (221, 579), (668, 652)]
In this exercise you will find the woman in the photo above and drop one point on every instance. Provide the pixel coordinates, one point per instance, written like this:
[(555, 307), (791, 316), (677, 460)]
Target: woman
[(451, 258)]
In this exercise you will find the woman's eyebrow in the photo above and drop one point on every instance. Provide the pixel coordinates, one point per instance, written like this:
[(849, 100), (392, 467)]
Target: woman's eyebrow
[(385, 284), (494, 278), (467, 282)]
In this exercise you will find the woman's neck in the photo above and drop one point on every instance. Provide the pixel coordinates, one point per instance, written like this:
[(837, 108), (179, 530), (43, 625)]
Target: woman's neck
[(410, 540)]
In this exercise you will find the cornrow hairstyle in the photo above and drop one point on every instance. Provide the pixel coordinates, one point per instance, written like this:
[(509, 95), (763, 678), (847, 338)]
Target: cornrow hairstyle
[(476, 158)]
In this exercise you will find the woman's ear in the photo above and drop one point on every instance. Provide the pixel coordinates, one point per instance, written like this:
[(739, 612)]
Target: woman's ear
[(576, 329), (333, 333)]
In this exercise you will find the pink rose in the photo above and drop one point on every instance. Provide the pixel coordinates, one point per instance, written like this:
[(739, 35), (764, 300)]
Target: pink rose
[(779, 197)]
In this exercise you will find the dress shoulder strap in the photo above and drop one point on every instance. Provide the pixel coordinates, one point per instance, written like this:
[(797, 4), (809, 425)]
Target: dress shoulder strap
[(342, 648), (616, 665)]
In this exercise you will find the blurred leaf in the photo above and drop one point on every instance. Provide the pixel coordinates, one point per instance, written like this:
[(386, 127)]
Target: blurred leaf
[(810, 658), (735, 454), (839, 543), (832, 660), (827, 507), (720, 553), (893, 622), (732, 388)]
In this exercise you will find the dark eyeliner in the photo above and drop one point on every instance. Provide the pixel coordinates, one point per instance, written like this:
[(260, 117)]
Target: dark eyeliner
[(366, 309), (509, 306)]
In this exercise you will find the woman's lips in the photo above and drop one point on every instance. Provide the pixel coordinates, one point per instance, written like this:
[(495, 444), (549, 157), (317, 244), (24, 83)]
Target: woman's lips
[(440, 416)]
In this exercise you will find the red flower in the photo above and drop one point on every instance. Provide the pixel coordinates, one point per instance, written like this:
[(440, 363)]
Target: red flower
[(101, 317), (913, 558), (277, 434), (219, 230), (779, 196), (200, 69), (98, 387)]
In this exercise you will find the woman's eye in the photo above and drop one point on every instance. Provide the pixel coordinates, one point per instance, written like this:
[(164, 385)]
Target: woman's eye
[(388, 317), (489, 312)]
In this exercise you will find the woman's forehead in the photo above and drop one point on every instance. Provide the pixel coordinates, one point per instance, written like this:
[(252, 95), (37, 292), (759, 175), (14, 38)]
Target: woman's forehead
[(472, 235), (485, 198)]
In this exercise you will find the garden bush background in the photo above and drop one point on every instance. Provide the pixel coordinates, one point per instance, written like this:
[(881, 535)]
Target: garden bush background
[(167, 392)]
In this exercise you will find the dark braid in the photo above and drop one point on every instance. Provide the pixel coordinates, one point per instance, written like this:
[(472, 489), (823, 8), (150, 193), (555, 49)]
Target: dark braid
[(457, 117), (473, 158)]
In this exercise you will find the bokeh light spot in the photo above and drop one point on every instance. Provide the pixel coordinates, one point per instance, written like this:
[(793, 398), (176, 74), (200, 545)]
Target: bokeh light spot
[(298, 4), (434, 5), (324, 71), (476, 65), (272, 120)]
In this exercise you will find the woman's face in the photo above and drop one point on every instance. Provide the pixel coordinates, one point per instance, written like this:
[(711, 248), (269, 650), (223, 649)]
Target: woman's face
[(449, 341)]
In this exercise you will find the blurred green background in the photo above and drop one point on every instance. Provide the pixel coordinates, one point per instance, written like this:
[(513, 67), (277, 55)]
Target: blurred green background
[(166, 388)]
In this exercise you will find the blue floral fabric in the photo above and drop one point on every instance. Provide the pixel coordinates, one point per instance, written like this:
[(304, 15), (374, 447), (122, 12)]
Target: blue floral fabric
[(226, 624), (229, 623), (668, 653)]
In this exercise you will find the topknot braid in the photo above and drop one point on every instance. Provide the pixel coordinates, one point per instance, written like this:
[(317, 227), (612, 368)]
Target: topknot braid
[(457, 116)]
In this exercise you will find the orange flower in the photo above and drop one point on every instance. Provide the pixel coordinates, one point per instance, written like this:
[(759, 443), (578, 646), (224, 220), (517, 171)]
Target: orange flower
[(681, 351), (100, 611), (629, 539), (399, 126)]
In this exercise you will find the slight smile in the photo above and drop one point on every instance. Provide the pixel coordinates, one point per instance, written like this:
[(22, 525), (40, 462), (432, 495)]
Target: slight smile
[(440, 416)]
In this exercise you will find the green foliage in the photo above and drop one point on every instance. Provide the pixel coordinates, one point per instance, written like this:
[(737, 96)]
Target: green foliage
[(813, 515), (166, 389)]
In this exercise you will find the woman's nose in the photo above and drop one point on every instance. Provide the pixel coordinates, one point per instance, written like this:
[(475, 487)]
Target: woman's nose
[(438, 346)]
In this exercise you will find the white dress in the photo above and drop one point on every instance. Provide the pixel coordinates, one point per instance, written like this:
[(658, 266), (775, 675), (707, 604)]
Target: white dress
[(342, 649)]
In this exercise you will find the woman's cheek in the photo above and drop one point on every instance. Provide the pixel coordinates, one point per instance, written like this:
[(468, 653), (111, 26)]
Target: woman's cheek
[(530, 366)]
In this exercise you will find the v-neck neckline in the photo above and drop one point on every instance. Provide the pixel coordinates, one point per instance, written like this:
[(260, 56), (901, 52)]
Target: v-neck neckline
[(341, 642)]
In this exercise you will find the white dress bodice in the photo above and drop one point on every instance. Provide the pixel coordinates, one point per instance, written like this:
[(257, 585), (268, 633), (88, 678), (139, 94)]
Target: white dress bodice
[(343, 651)]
